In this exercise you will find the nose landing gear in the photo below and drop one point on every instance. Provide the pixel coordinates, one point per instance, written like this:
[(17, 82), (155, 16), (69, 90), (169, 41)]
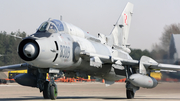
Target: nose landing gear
[(50, 89)]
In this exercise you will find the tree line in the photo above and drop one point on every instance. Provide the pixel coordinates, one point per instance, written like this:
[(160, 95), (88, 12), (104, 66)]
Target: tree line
[(8, 47), (160, 51)]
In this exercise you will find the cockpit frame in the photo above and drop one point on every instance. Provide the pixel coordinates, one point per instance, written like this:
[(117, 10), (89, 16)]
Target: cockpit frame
[(51, 26)]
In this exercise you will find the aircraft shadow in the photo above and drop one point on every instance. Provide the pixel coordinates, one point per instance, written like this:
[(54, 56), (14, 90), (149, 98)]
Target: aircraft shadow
[(168, 99), (89, 97), (35, 98), (22, 99)]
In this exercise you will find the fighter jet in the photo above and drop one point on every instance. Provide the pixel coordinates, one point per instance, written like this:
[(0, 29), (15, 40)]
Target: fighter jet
[(60, 46)]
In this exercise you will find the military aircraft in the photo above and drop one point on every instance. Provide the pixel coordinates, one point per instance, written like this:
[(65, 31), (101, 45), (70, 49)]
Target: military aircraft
[(58, 46)]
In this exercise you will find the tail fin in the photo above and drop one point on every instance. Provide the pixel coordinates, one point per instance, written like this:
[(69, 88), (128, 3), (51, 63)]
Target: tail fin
[(120, 32)]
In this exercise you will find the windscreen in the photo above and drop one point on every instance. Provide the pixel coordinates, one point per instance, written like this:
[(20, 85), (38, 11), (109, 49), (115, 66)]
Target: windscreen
[(43, 27)]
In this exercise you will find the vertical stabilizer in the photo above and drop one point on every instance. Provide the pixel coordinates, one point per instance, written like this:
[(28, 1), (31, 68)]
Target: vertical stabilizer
[(120, 32)]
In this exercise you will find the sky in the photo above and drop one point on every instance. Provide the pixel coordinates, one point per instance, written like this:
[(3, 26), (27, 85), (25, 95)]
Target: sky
[(94, 16)]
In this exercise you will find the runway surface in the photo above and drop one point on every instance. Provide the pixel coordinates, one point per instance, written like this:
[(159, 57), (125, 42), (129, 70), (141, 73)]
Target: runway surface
[(93, 91)]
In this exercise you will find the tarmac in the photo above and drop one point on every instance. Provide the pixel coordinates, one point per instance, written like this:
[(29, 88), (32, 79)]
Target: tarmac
[(91, 91)]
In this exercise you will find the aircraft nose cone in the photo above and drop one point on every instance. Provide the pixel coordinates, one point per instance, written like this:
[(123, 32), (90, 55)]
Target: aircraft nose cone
[(30, 50)]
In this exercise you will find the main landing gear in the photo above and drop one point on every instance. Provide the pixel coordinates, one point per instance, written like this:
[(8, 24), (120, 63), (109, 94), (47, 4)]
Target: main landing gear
[(130, 88), (129, 94)]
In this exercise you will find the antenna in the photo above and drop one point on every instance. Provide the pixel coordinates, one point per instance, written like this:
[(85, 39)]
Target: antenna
[(49, 19), (61, 17)]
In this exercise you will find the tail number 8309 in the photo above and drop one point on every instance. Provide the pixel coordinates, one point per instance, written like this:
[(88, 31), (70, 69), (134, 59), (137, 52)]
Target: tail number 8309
[(64, 51)]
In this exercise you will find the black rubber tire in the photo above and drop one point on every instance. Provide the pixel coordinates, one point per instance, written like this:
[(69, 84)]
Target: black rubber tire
[(53, 92), (129, 94), (46, 92)]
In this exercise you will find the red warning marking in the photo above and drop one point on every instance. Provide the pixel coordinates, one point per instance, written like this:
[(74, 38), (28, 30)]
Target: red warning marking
[(125, 19)]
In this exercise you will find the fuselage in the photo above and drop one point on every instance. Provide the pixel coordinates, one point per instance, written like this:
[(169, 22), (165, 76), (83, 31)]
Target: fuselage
[(60, 48)]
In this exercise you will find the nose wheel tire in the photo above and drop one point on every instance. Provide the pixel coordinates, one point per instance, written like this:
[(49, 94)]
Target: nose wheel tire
[(53, 92), (129, 94), (50, 91)]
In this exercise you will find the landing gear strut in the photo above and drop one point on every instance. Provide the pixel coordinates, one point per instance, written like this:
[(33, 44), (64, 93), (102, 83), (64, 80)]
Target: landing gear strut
[(130, 88), (50, 89)]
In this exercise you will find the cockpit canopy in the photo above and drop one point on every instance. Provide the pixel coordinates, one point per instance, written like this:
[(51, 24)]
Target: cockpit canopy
[(51, 26)]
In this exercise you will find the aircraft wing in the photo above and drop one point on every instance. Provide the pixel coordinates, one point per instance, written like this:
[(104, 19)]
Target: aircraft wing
[(145, 63), (162, 66), (14, 67), (127, 61), (151, 64), (102, 59)]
